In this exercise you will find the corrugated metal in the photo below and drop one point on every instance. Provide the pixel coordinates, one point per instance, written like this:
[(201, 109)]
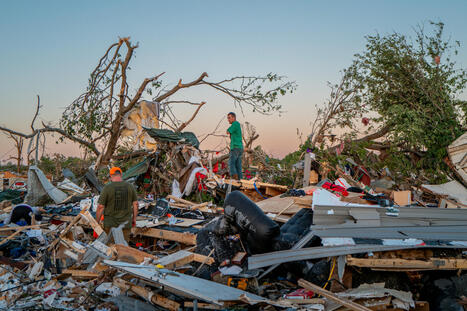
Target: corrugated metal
[(185, 285), (268, 259), (442, 233)]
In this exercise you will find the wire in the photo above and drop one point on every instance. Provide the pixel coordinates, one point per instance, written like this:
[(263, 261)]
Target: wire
[(254, 184), (332, 271)]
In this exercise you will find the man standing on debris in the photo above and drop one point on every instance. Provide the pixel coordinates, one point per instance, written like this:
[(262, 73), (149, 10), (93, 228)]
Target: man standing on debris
[(118, 203), (236, 147)]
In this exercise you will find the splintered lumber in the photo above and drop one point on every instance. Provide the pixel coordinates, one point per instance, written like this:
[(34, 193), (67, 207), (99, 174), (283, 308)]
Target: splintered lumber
[(407, 264), (181, 237), (179, 200), (202, 305), (147, 294), (130, 254), (277, 204), (18, 230), (92, 222), (239, 258), (182, 258), (301, 301), (321, 291), (81, 274), (198, 206), (65, 231), (306, 200), (285, 208)]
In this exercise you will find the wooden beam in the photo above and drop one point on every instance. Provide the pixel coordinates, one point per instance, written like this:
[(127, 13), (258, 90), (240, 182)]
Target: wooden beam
[(171, 197), (92, 222), (308, 301), (147, 294), (203, 259), (407, 264), (321, 291), (202, 305), (182, 237), (81, 274), (182, 258), (126, 252), (64, 232)]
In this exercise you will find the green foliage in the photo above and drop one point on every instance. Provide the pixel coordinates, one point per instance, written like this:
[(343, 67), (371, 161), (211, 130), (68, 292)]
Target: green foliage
[(410, 85)]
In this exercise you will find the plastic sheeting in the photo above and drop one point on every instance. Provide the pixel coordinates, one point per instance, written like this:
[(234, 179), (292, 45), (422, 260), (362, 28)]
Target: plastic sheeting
[(39, 186), (67, 184)]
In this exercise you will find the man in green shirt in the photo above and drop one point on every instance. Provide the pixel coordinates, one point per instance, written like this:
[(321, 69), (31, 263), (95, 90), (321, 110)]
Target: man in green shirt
[(236, 147), (118, 203)]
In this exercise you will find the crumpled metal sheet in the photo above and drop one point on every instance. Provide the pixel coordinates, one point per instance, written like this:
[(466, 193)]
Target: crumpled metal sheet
[(39, 186)]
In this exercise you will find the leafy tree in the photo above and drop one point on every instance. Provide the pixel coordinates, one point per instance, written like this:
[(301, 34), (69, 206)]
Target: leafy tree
[(407, 90)]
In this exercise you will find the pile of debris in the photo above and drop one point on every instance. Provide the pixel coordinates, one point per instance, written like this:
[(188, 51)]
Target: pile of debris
[(338, 245)]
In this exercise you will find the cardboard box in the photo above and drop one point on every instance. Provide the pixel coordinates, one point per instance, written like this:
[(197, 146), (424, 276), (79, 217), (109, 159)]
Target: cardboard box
[(402, 198)]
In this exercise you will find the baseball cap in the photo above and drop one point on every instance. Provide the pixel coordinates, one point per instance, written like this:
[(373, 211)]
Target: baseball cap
[(115, 169)]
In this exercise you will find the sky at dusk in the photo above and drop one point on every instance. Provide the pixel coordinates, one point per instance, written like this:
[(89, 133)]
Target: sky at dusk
[(50, 47)]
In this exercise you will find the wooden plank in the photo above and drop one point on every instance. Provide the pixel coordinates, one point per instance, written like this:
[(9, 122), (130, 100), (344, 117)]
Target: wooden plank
[(182, 237), (147, 294), (11, 236), (179, 200), (198, 206), (272, 192), (202, 305), (92, 222), (65, 231), (130, 254), (187, 222), (285, 208), (203, 259), (306, 200), (309, 301), (178, 259), (182, 258), (407, 264), (82, 274), (346, 303), (21, 228), (239, 258)]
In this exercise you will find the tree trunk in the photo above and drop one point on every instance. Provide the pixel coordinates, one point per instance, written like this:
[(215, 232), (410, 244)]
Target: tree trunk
[(112, 144)]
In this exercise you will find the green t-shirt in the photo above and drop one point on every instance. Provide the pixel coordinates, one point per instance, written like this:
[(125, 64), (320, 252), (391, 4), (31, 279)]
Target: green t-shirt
[(235, 131), (117, 198)]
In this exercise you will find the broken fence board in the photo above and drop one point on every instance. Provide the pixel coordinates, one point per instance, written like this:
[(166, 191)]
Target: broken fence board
[(321, 291), (125, 253), (407, 264), (182, 237), (147, 294), (83, 274), (92, 222)]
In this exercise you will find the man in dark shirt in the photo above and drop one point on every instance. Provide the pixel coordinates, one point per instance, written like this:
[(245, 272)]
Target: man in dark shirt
[(118, 203)]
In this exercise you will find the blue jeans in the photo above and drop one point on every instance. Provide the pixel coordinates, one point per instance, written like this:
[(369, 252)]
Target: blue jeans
[(235, 162)]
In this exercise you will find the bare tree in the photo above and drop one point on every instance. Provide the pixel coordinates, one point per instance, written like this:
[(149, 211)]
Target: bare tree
[(19, 142), (95, 118)]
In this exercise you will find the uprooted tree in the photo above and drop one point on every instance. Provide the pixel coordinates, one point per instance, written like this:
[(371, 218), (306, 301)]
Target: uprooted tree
[(403, 93), (95, 119)]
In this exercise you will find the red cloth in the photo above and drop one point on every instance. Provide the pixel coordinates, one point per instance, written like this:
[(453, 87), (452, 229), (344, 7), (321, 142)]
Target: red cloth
[(199, 179), (335, 188)]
